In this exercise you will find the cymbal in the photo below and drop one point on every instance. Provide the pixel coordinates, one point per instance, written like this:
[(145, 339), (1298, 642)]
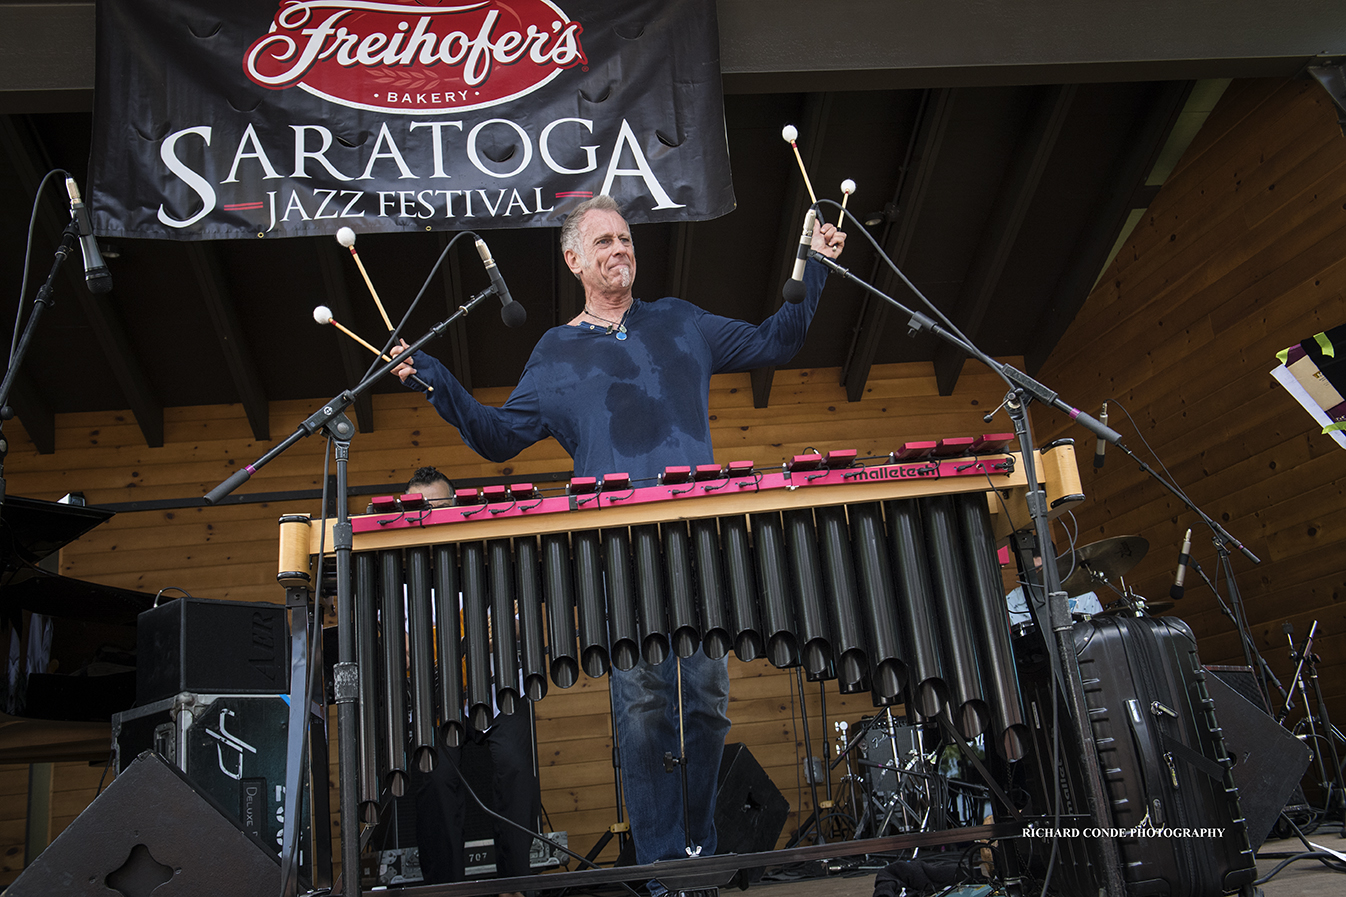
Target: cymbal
[(1106, 560)]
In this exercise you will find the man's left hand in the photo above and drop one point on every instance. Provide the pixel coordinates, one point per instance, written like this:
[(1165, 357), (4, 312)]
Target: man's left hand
[(828, 241)]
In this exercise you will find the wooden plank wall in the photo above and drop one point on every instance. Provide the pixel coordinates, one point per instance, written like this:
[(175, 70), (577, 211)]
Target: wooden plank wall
[(229, 552), (1241, 254)]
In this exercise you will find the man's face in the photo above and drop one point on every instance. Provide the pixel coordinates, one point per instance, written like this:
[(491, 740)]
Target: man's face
[(607, 263), (438, 494)]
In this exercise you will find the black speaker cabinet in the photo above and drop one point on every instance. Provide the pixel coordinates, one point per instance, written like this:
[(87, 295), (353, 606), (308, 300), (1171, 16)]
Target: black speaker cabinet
[(1268, 760), (149, 832), (232, 748), (220, 647)]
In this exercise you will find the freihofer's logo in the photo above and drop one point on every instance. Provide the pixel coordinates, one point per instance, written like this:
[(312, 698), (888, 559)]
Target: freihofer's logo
[(427, 56)]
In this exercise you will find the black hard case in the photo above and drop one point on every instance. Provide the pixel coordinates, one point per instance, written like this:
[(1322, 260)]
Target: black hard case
[(1164, 761)]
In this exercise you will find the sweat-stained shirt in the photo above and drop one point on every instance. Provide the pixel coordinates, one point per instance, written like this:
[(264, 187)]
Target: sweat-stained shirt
[(631, 406)]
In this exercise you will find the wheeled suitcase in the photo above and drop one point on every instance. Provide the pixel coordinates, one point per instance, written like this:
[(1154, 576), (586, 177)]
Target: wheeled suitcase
[(1174, 808)]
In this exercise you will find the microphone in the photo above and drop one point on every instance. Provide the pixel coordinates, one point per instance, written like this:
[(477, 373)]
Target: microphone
[(1102, 443), (96, 274), (511, 312), (794, 290), (1184, 557)]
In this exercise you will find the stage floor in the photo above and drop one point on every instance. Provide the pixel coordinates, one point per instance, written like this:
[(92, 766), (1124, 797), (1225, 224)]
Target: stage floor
[(1304, 878)]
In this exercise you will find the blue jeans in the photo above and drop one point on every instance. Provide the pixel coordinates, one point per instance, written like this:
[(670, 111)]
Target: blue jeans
[(645, 705)]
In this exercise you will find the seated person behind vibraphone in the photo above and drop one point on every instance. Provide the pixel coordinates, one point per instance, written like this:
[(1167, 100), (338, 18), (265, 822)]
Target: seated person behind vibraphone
[(1083, 605), (441, 800)]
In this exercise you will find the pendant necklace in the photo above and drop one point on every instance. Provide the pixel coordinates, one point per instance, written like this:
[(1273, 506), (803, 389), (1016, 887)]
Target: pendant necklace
[(617, 328)]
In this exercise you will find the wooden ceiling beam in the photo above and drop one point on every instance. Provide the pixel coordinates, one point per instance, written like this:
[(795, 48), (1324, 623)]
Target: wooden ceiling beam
[(1001, 231), (39, 421), (812, 128), (204, 259), (1093, 245), (460, 347), (679, 258), (903, 217)]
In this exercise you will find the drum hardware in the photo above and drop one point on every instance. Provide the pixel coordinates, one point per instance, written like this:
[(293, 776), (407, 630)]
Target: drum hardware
[(894, 784), (1131, 604)]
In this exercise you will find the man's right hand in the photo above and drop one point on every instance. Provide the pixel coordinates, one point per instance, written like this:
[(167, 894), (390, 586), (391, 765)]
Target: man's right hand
[(405, 369)]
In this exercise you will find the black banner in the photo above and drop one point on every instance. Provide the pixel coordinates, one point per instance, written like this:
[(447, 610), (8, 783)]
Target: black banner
[(286, 118)]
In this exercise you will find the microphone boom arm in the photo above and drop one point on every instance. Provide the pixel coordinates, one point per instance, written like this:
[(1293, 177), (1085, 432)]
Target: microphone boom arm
[(339, 403)]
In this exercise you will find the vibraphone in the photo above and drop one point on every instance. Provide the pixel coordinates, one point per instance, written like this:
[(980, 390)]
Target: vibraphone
[(879, 574)]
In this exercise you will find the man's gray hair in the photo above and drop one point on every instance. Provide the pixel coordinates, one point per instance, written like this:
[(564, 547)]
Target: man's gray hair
[(570, 230)]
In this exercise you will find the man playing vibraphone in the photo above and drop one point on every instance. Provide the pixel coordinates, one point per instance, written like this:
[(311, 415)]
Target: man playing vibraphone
[(625, 387)]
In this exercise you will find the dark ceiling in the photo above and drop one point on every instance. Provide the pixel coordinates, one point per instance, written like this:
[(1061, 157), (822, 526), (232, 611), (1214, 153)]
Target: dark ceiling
[(1000, 187)]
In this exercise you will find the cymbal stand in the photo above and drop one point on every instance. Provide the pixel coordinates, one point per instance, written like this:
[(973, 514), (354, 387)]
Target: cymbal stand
[(1321, 730)]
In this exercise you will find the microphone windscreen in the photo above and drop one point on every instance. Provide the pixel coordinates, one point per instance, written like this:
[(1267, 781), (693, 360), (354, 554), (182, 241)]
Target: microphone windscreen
[(514, 315), (794, 291)]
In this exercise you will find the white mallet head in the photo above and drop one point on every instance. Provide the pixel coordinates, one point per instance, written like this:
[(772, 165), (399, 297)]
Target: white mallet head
[(848, 186), (322, 314), (789, 133), (346, 237)]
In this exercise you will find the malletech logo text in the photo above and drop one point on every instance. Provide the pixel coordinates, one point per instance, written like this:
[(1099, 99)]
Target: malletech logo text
[(415, 55)]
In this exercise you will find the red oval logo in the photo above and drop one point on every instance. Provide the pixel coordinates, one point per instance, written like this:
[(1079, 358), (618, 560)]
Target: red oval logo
[(409, 56)]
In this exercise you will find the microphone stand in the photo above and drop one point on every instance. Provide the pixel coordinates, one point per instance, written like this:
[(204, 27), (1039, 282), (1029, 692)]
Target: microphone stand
[(41, 302), (1065, 663), (1263, 673), (1223, 542), (332, 420)]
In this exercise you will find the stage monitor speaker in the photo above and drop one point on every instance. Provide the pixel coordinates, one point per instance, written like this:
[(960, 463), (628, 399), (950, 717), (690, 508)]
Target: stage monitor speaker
[(1243, 680), (1268, 760), (750, 811), (150, 832)]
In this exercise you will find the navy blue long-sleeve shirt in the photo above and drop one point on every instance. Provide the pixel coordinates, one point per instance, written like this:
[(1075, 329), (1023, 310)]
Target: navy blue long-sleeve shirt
[(630, 406)]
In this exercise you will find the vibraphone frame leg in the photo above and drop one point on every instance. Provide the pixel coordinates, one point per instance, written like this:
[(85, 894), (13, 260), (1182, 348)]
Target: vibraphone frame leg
[(815, 818), (621, 828)]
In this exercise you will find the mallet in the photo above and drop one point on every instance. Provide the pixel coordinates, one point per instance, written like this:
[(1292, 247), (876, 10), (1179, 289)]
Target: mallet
[(346, 237), (323, 315)]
